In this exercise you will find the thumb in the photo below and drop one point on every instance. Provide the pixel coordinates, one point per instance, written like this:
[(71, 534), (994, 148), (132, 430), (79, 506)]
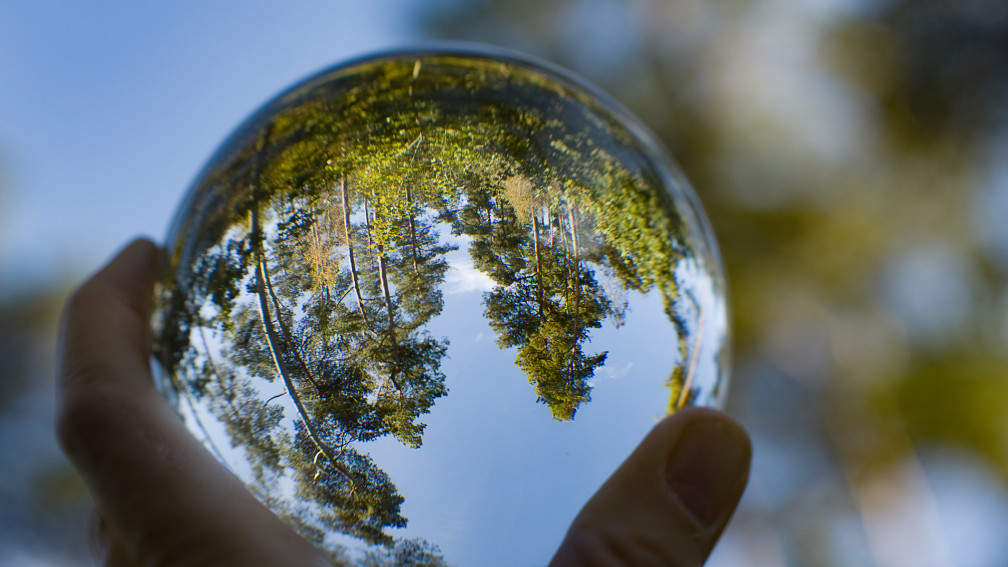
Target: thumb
[(669, 501)]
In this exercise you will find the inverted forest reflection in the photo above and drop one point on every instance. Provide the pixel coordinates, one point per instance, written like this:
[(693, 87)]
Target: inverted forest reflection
[(308, 266)]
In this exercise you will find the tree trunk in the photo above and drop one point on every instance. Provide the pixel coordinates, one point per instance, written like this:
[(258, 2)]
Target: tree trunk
[(387, 295), (273, 340), (287, 335), (576, 257), (538, 259), (412, 229), (213, 368), (367, 222), (350, 248), (694, 356), (387, 298)]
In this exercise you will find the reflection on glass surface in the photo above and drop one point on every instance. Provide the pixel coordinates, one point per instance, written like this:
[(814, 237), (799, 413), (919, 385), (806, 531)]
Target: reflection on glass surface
[(422, 304)]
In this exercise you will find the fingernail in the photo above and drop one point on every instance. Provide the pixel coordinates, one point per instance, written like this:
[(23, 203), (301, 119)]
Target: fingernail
[(708, 469)]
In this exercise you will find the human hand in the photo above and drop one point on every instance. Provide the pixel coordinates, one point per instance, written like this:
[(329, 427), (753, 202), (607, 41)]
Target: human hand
[(668, 503), (163, 499)]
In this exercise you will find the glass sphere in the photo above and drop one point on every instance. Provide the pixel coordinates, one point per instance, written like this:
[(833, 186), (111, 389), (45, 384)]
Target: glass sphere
[(424, 303)]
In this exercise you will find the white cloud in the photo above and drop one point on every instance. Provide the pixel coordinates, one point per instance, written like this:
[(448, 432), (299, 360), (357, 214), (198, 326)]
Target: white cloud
[(619, 372), (462, 277)]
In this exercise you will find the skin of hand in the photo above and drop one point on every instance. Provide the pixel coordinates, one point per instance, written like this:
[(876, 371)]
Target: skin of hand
[(162, 499)]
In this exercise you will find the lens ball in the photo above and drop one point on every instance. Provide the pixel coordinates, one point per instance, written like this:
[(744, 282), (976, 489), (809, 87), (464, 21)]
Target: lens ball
[(423, 303)]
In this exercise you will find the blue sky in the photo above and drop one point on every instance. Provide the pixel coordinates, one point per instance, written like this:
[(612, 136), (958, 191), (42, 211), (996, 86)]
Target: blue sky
[(109, 109)]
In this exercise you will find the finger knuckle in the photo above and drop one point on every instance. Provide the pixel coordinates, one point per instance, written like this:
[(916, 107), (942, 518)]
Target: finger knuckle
[(621, 548)]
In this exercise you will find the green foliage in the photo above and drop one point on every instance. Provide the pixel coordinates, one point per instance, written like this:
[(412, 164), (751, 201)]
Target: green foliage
[(405, 553), (321, 264)]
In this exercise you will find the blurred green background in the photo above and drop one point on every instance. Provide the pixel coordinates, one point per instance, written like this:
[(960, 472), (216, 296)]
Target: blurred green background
[(852, 156)]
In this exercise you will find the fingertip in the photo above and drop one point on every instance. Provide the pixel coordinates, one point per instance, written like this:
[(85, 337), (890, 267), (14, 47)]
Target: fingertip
[(127, 278), (133, 266), (708, 467), (668, 503)]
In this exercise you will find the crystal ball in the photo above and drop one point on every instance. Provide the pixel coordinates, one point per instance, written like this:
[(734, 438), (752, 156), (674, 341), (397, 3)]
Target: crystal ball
[(423, 303)]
